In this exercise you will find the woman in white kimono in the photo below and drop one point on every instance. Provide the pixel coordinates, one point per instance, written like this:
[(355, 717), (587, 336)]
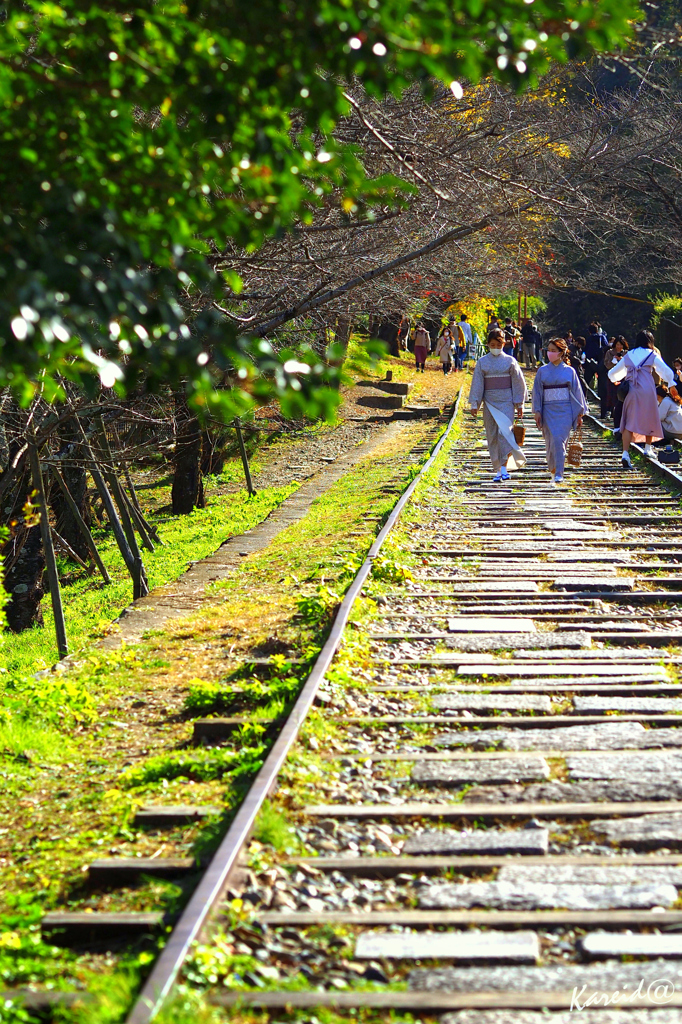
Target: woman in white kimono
[(498, 385), (558, 404)]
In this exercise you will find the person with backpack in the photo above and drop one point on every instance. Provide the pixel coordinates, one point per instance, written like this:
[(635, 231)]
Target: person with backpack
[(422, 346), (465, 328), (596, 345), (640, 420), (460, 346)]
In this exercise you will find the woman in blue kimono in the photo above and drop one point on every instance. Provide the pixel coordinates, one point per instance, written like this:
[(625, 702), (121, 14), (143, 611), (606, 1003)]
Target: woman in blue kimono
[(558, 404)]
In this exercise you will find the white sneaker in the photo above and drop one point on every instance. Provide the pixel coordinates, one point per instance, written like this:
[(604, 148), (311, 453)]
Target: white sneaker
[(650, 451), (626, 461), (616, 431), (558, 479)]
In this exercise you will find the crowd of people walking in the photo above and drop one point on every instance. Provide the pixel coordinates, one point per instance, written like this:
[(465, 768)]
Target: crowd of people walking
[(453, 346), (634, 385)]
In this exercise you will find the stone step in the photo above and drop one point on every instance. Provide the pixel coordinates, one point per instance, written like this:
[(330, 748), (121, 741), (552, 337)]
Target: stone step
[(461, 773), (647, 789), (610, 945), (603, 978), (590, 874), (505, 641), (512, 1008), (545, 896), (584, 582), (481, 841), (602, 736), (647, 764), (390, 387), (43, 1002), (382, 401), (493, 702), (506, 947), (597, 705)]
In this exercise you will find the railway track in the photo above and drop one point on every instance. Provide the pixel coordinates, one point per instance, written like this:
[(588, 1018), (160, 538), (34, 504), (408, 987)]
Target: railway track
[(487, 799), (502, 821)]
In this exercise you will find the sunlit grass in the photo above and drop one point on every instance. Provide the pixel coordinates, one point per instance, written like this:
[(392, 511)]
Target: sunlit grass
[(90, 605)]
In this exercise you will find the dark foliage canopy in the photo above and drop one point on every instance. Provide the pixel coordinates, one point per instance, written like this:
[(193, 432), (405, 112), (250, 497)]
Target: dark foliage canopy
[(138, 139)]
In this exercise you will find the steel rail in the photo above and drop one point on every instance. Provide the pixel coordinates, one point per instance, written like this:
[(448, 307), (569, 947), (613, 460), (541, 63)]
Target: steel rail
[(209, 891), (660, 468)]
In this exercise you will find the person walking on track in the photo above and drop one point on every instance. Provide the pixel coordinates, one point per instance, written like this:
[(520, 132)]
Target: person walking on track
[(529, 339), (595, 346), (465, 328), (612, 356), (445, 349), (422, 346), (558, 404), (499, 386), (640, 420), (461, 345)]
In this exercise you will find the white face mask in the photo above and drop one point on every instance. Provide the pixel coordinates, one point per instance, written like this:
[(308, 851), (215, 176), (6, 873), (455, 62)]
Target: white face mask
[(495, 351)]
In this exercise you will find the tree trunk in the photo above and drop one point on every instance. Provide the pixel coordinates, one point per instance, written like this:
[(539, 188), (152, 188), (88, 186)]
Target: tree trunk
[(213, 452), (188, 490), (24, 574), (75, 478), (344, 328)]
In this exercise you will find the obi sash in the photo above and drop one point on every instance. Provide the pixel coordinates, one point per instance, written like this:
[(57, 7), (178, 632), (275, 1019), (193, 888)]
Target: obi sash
[(553, 393), (502, 382)]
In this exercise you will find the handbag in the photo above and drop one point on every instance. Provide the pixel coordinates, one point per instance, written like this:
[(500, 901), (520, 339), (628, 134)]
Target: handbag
[(623, 390), (519, 432), (669, 456), (574, 452)]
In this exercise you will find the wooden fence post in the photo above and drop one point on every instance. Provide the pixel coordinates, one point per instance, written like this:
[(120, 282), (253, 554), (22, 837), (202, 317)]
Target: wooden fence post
[(245, 458), (48, 548)]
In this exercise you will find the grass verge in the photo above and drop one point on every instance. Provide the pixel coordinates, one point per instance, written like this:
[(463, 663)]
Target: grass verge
[(90, 605)]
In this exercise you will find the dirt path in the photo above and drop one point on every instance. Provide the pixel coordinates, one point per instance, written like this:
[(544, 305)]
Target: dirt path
[(320, 458), (302, 455)]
